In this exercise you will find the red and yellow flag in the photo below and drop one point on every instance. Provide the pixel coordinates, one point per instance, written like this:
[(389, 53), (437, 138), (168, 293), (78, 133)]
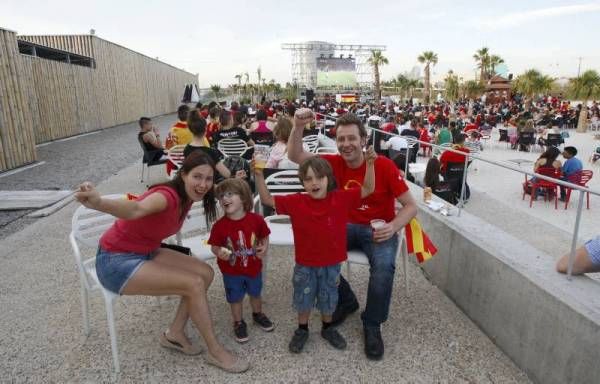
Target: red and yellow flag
[(418, 242)]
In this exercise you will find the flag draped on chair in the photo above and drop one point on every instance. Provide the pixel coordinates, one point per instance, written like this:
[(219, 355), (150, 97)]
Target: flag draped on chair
[(418, 242)]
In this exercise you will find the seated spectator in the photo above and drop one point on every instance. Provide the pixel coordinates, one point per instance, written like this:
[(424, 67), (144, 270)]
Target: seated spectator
[(424, 136), (587, 258), (278, 153), (395, 145), (548, 159), (150, 139), (451, 157), (433, 180), (261, 124), (179, 134), (212, 123), (231, 130), (571, 166), (511, 128), (474, 139)]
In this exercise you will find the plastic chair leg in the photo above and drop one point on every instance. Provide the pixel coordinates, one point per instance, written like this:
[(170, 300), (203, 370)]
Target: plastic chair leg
[(112, 331), (142, 177), (85, 307)]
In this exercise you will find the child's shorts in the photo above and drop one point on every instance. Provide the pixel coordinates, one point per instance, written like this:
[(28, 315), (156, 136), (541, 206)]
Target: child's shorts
[(236, 286), (318, 284)]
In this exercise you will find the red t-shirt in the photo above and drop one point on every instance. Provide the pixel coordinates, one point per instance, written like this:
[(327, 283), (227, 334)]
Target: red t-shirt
[(451, 157), (470, 127), (144, 235), (211, 128), (319, 225), (389, 184), (239, 236)]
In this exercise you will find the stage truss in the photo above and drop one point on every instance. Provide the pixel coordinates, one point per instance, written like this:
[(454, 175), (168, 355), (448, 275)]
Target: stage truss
[(304, 63)]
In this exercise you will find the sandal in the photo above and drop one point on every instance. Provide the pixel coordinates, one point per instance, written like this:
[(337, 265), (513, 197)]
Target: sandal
[(240, 365), (187, 350)]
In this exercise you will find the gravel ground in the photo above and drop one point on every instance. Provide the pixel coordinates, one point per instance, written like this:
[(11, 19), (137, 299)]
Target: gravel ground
[(428, 339), (94, 157)]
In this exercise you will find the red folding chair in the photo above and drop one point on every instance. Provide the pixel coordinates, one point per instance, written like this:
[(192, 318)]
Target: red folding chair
[(580, 178), (546, 186)]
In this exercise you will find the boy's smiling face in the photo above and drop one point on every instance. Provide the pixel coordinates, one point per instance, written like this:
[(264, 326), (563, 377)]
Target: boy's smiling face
[(232, 204), (315, 186)]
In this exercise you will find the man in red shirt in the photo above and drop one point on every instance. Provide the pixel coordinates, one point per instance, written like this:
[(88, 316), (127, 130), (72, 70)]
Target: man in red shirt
[(379, 245), (451, 157)]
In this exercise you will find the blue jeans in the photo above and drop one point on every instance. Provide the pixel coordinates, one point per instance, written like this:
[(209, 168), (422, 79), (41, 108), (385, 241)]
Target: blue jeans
[(382, 260)]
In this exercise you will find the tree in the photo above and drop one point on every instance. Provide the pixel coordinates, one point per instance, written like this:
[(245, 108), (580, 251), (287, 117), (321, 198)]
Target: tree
[(494, 61), (216, 89), (239, 84), (452, 86), (586, 86), (401, 82), (532, 83), (376, 60), (427, 58), (482, 57), (472, 89)]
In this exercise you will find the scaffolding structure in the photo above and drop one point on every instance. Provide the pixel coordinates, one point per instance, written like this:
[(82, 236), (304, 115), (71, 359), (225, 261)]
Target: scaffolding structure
[(304, 61)]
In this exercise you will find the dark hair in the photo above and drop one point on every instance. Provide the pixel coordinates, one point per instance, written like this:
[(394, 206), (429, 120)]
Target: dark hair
[(432, 173), (351, 119), (290, 109), (199, 105), (282, 129), (213, 112), (182, 112), (193, 160), (238, 118), (234, 106), (261, 114), (571, 151), (550, 155), (460, 138), (320, 167), (143, 120), (224, 118), (196, 123), (239, 187)]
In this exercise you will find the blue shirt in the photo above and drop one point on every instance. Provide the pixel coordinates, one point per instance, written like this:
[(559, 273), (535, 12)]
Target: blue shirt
[(571, 166)]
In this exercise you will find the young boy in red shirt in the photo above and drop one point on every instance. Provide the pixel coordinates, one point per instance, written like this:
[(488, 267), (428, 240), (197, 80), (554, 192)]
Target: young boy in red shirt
[(319, 219), (240, 240)]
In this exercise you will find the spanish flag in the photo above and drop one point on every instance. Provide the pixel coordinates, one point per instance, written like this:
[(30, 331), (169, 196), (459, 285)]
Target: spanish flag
[(418, 243)]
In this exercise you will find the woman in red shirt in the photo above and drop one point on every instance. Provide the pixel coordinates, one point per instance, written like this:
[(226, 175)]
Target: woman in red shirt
[(130, 260)]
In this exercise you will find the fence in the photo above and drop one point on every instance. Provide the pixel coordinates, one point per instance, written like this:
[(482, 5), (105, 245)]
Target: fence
[(45, 100)]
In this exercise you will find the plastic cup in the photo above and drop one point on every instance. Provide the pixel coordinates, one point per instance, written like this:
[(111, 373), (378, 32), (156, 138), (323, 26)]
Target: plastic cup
[(261, 154), (377, 223)]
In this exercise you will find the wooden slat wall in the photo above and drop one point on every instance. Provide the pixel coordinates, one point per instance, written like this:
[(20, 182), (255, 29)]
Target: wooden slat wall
[(56, 100), (17, 144)]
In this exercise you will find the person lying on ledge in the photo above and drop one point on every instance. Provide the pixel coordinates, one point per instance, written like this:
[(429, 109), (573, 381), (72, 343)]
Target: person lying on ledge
[(587, 258)]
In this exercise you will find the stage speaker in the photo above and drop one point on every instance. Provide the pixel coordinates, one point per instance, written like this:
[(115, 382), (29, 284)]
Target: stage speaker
[(310, 95), (510, 76)]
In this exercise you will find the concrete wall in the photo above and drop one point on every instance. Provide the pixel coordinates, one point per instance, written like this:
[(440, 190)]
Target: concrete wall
[(549, 326)]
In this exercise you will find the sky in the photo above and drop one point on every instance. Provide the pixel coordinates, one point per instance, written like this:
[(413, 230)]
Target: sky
[(220, 39)]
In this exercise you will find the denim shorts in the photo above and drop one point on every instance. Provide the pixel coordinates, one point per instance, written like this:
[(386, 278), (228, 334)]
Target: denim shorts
[(593, 249), (114, 269), (316, 287), (236, 286)]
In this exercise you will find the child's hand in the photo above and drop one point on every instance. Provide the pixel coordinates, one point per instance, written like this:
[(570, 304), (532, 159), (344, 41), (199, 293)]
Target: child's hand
[(223, 254), (241, 174), (261, 249), (370, 155)]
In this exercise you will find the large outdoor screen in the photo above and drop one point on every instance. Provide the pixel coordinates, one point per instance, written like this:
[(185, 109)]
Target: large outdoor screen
[(335, 71)]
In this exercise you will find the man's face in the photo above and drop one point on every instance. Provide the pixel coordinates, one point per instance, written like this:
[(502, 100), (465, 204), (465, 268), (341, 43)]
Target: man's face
[(566, 155), (350, 143)]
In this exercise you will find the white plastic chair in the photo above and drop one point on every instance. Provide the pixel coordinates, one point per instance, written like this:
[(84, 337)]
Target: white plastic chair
[(359, 257), (195, 232), (311, 142), (327, 150), (232, 147), (280, 183), (87, 227)]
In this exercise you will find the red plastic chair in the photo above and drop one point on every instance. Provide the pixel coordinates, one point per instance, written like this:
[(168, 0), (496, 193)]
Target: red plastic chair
[(546, 186), (580, 178)]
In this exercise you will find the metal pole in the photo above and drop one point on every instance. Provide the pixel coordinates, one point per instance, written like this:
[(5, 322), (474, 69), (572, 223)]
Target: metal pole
[(575, 235), (464, 182), (406, 161)]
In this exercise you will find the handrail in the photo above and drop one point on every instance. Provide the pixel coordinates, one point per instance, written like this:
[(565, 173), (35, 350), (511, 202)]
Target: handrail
[(470, 156)]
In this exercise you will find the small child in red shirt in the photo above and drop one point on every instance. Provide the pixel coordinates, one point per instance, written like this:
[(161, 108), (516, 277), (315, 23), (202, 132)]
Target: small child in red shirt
[(240, 240), (319, 219)]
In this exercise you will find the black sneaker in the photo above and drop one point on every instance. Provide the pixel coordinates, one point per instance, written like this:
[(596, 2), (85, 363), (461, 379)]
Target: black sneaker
[(343, 311), (240, 331), (298, 340), (373, 343), (263, 322), (334, 338)]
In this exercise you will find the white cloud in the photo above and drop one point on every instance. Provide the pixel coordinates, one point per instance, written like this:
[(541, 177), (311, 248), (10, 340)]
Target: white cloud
[(519, 18)]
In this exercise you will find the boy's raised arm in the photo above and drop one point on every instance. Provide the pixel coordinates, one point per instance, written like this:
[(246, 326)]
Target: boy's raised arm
[(296, 152), (369, 182)]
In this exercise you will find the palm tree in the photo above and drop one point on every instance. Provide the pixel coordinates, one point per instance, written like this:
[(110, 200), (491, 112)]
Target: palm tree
[(586, 86), (494, 61), (451, 85), (532, 83), (376, 60), (216, 88), (239, 80), (411, 85), (473, 89), (401, 82), (427, 58), (482, 57), (259, 73)]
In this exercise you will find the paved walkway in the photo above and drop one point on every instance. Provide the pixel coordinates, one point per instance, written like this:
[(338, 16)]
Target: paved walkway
[(428, 338)]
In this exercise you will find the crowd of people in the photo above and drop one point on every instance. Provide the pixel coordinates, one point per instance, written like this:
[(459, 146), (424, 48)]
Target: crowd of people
[(344, 192)]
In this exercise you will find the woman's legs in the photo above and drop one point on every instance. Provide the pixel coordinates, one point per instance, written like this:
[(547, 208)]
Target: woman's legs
[(187, 277)]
